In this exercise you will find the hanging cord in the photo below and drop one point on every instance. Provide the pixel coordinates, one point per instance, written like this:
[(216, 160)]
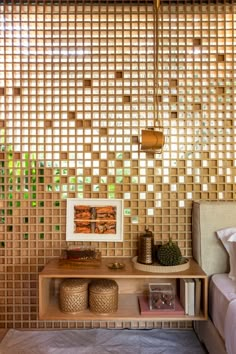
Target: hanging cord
[(156, 124), (155, 64)]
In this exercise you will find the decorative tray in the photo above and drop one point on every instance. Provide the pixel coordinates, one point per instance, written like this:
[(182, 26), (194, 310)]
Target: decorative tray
[(157, 268), (80, 257)]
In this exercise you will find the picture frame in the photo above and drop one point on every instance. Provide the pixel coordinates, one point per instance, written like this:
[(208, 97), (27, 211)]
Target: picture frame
[(94, 220)]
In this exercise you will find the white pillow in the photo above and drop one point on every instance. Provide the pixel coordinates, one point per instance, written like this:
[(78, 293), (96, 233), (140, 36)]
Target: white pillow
[(228, 238)]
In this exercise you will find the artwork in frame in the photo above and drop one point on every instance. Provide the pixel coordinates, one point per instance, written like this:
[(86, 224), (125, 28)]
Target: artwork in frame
[(94, 220)]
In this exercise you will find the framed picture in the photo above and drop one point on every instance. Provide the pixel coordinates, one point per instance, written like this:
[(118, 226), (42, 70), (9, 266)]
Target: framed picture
[(94, 220)]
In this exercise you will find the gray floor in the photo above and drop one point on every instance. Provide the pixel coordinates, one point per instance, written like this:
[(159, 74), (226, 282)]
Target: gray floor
[(102, 341)]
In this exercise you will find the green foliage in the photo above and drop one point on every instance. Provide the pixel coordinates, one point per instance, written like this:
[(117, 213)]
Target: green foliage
[(169, 254)]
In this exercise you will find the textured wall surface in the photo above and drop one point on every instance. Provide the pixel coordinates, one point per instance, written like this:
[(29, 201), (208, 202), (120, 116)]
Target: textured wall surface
[(77, 85)]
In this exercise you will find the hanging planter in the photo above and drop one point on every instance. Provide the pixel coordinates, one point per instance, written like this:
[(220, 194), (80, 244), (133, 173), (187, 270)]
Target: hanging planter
[(152, 140)]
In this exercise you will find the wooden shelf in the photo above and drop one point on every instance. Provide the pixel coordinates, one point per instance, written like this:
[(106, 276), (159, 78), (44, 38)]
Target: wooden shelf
[(131, 282)]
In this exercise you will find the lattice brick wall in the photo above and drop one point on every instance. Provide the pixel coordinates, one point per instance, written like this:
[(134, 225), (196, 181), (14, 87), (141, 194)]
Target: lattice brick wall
[(76, 88)]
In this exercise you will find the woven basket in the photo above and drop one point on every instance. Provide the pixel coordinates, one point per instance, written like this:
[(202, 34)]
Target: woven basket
[(103, 296), (73, 296)]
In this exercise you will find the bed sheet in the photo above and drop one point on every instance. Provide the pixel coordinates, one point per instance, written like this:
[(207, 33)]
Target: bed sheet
[(230, 328), (222, 291)]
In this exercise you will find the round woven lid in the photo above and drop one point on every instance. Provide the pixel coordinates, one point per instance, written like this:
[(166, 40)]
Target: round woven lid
[(103, 285), (74, 284)]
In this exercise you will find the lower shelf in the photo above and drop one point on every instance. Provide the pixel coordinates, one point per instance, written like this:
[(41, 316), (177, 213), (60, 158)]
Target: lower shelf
[(128, 310)]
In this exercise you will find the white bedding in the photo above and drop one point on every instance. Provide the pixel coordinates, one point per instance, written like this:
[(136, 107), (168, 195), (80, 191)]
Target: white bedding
[(222, 308), (207, 218), (230, 328)]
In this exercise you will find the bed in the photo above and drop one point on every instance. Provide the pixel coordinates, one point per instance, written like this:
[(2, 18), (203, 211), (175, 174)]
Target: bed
[(214, 248)]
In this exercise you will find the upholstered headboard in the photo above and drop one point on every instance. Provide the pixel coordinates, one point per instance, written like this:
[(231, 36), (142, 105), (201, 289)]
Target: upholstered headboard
[(207, 218)]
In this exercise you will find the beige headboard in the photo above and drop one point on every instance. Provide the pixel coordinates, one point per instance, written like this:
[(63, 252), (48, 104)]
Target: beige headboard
[(207, 218)]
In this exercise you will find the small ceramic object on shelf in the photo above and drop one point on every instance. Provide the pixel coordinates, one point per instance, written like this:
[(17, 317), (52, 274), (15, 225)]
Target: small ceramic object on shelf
[(116, 265)]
